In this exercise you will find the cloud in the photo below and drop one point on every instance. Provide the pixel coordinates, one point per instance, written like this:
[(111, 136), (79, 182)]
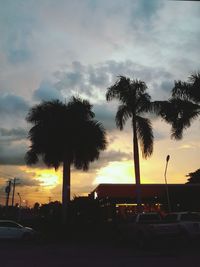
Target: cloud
[(93, 81), (145, 10), (12, 152), (47, 92), (11, 104), (28, 182), (110, 156), (16, 25), (12, 134), (105, 115)]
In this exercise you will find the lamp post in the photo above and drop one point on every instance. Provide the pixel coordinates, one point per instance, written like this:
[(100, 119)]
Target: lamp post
[(167, 191)]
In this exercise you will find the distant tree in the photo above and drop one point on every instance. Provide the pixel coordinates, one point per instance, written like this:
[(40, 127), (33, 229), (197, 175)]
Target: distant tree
[(36, 206), (65, 134), (194, 177), (134, 103)]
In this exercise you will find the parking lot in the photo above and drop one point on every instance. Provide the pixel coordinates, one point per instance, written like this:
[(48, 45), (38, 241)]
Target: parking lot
[(95, 254)]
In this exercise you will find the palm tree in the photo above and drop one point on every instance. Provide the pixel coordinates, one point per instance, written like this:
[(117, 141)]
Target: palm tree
[(183, 107), (186, 95), (134, 102), (65, 134)]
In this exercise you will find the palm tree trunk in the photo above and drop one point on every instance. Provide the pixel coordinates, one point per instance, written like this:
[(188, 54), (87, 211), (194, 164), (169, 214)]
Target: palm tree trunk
[(66, 190), (137, 165)]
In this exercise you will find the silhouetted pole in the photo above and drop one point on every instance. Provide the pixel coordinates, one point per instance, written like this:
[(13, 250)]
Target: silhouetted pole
[(20, 200), (167, 191), (20, 203), (13, 194), (7, 190)]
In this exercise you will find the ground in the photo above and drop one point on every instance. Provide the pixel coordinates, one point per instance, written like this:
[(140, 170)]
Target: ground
[(60, 254)]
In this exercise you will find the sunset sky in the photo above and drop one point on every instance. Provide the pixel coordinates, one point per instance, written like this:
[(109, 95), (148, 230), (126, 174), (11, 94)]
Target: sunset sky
[(56, 49)]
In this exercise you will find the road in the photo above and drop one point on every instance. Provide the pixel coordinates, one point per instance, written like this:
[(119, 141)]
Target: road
[(60, 254)]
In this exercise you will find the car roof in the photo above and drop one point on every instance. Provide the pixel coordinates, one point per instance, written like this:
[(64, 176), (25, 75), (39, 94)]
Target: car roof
[(8, 221), (185, 212)]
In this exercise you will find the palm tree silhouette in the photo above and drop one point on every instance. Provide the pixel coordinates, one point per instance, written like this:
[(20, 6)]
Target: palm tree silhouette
[(65, 134), (134, 102), (186, 95), (183, 107)]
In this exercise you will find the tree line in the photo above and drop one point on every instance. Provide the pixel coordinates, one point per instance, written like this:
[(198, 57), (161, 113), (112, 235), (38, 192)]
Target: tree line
[(69, 134)]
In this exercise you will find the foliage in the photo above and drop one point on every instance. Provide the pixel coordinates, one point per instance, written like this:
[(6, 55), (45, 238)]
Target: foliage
[(134, 102), (183, 107), (194, 177), (62, 132)]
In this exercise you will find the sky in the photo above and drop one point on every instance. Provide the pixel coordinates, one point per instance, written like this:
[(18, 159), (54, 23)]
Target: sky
[(57, 49)]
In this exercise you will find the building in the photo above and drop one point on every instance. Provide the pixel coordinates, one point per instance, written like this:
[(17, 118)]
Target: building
[(121, 198)]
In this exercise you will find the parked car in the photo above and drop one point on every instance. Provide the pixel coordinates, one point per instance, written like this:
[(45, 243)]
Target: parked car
[(144, 228), (13, 230), (189, 223)]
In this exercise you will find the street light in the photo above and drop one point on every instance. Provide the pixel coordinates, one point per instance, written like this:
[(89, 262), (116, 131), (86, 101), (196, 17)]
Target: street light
[(167, 191)]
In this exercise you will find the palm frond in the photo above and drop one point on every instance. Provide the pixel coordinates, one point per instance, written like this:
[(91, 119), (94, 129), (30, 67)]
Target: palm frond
[(123, 113), (181, 90), (63, 131), (188, 90), (184, 114), (145, 135), (31, 157), (91, 140), (122, 85), (143, 103), (80, 107)]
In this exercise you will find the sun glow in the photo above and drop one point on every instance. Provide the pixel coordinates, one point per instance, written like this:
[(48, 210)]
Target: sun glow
[(116, 172), (48, 179)]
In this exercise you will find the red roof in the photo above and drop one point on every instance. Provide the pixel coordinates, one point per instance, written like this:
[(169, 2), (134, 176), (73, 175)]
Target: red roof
[(147, 190)]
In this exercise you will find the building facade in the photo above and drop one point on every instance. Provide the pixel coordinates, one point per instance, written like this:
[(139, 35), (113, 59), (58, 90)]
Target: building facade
[(121, 198)]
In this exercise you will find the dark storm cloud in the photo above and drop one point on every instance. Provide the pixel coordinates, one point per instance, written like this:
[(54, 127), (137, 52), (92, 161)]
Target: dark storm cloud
[(12, 134), (12, 152)]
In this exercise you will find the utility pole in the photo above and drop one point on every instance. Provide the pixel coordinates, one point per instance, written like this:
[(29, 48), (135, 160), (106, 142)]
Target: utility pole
[(7, 190), (13, 193), (20, 204), (20, 200)]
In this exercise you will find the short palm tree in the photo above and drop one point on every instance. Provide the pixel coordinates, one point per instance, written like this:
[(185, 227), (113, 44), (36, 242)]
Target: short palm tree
[(186, 95), (183, 107), (134, 102), (65, 134)]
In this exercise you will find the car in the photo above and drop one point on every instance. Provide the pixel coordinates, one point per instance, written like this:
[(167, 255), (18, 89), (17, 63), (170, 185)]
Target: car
[(147, 227), (13, 230), (189, 223)]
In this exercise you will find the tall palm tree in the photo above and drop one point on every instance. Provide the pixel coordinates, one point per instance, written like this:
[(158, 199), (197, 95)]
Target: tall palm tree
[(183, 107), (65, 134), (134, 102)]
